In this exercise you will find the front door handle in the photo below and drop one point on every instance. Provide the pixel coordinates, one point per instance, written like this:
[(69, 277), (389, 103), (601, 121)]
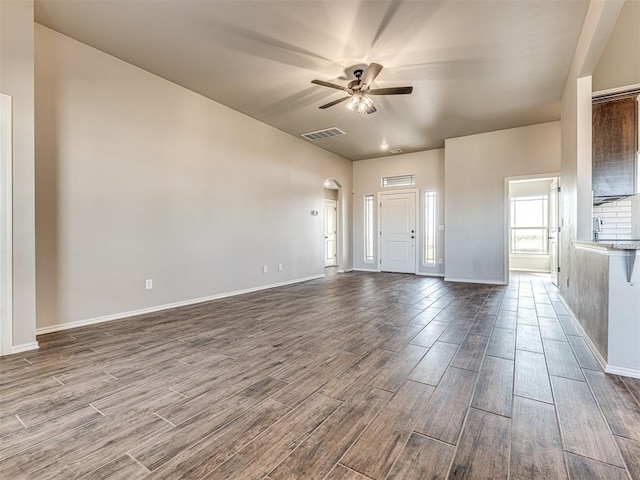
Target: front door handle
[(412, 236)]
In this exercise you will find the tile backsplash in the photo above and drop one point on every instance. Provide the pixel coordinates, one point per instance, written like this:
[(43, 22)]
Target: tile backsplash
[(635, 217), (617, 219)]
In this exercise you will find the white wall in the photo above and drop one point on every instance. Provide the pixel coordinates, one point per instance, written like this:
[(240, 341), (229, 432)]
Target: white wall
[(428, 168), (16, 80), (475, 209), (138, 178), (619, 64)]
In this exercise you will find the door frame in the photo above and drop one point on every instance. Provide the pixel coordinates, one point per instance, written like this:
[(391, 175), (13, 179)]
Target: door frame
[(334, 204), (340, 262), (507, 210), (555, 184), (416, 192), (6, 233)]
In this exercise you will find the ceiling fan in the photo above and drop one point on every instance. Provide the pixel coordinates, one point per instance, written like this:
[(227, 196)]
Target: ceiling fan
[(359, 90)]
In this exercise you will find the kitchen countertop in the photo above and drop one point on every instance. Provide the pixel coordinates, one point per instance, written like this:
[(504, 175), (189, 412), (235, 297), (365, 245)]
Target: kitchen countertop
[(613, 244), (621, 244)]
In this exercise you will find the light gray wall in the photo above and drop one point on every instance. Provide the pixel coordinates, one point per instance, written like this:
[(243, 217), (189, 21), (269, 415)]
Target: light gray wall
[(139, 178), (591, 278), (475, 211), (16, 79), (619, 64), (428, 168)]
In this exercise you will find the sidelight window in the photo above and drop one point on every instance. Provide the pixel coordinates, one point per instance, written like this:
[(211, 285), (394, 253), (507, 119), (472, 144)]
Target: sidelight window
[(429, 228), (368, 229)]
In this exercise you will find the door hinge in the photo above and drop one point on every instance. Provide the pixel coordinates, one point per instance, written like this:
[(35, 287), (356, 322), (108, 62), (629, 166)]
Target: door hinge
[(380, 204), (559, 189), (558, 269), (380, 261)]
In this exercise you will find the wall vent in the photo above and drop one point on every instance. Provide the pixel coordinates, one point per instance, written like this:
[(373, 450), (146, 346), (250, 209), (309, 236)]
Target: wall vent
[(395, 150), (326, 133)]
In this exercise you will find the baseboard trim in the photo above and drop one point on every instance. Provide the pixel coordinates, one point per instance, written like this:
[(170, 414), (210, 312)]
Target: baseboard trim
[(468, 280), (586, 338), (158, 308), (426, 274), (25, 347), (371, 270), (624, 371)]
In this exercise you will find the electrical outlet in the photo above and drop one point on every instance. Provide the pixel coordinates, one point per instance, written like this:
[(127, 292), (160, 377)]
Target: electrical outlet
[(148, 284), (280, 267), (265, 269)]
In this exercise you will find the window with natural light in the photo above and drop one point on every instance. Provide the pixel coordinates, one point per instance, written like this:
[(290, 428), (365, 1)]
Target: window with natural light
[(398, 181), (530, 225), (429, 228), (368, 228)]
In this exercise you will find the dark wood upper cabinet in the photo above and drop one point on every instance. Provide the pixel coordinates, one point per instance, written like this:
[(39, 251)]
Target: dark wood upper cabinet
[(615, 147)]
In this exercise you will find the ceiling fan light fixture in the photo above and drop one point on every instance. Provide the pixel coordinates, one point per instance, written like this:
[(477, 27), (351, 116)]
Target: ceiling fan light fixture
[(353, 102), (360, 103), (365, 104), (359, 90)]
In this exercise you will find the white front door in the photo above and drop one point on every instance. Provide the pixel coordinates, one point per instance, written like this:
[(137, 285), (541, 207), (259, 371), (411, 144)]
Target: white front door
[(330, 233), (398, 232)]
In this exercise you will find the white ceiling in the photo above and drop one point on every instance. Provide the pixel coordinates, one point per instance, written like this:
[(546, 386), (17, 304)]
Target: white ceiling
[(475, 66)]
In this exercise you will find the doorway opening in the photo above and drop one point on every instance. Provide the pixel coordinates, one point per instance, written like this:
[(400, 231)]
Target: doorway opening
[(332, 231), (532, 225)]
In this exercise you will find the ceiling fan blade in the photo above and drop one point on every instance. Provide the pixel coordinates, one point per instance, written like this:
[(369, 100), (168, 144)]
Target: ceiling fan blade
[(330, 85), (335, 102), (370, 75), (391, 91)]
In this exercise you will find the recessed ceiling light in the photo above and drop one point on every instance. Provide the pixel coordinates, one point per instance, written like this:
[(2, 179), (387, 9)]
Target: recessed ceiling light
[(384, 146)]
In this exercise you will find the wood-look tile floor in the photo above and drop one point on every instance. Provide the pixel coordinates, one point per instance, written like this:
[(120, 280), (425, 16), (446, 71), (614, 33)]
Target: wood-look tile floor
[(355, 376)]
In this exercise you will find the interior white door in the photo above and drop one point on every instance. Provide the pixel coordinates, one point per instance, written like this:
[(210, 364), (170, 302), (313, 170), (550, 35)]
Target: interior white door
[(398, 232), (330, 232), (553, 232)]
